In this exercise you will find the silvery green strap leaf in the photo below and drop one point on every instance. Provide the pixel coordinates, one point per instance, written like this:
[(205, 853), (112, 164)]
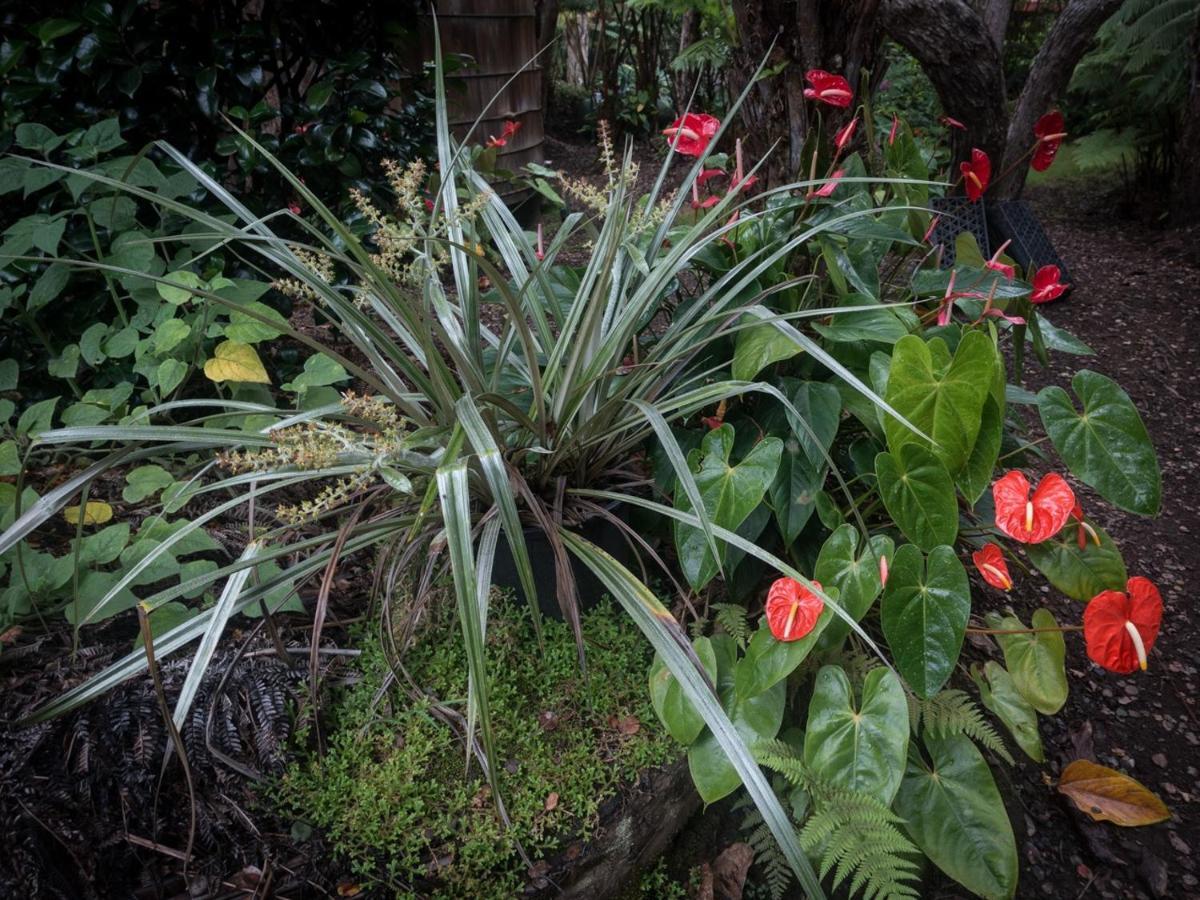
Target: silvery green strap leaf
[(212, 636), (455, 497), (684, 474), (211, 437), (495, 472), (667, 638)]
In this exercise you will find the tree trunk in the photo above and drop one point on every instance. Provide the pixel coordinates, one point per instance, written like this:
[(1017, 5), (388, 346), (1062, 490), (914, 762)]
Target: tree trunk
[(1185, 193), (1048, 78), (575, 34), (995, 20), (840, 37), (948, 40), (684, 79)]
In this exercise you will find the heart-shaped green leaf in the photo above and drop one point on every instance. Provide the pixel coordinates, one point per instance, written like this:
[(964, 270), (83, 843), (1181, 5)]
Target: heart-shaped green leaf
[(756, 719), (858, 743), (768, 662), (1035, 659), (854, 573), (729, 493), (1080, 573), (976, 475), (925, 609), (802, 467), (683, 722), (919, 494), (943, 401), (999, 694), (757, 347), (954, 813), (1105, 445)]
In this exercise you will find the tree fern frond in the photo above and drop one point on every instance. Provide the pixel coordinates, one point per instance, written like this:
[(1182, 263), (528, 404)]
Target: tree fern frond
[(858, 664), (855, 835), (951, 712), (771, 863), (732, 619)]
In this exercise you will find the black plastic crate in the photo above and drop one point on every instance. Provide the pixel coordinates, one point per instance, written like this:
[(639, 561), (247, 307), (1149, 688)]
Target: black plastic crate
[(1014, 220), (956, 215)]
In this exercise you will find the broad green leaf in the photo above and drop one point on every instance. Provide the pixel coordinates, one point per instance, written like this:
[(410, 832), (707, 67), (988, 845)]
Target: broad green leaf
[(48, 286), (945, 402), (759, 346), (793, 493), (802, 467), (974, 477), (248, 330), (93, 587), (954, 813), (181, 286), (319, 371), (729, 493), (145, 481), (924, 614), (882, 324), (163, 619), (768, 661), (10, 373), (682, 720), (1035, 660), (235, 362), (1081, 574), (170, 334), (854, 574), (919, 494), (999, 694), (170, 373), (858, 742), (37, 417), (1105, 445), (10, 459), (104, 546), (756, 719)]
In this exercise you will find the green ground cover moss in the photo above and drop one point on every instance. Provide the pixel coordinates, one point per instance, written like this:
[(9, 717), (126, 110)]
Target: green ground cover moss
[(392, 794)]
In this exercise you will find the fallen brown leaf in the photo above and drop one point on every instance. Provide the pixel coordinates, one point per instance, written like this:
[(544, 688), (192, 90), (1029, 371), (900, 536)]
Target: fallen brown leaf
[(551, 801), (1111, 796)]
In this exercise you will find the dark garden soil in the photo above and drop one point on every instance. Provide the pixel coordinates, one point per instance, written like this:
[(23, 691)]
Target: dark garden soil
[(73, 796)]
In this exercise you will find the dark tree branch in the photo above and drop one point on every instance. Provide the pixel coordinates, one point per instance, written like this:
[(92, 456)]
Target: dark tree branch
[(1048, 78), (995, 20)]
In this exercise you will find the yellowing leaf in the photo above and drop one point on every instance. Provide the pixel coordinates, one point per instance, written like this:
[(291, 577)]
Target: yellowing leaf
[(94, 513), (1111, 796), (235, 362)]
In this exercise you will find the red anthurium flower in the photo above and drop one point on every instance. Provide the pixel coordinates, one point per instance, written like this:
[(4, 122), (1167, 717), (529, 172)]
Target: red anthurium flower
[(951, 297), (294, 207), (895, 128), (933, 224), (540, 252), (827, 189), (1049, 132), (992, 566), (510, 128), (707, 174), (845, 134), (691, 133), (976, 174), (828, 88), (792, 609), (1120, 626), (952, 123), (883, 570), (1032, 520), (1046, 286)]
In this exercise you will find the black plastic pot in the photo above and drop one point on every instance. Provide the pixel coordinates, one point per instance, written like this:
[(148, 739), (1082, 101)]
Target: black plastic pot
[(599, 530), (956, 215), (1013, 220)]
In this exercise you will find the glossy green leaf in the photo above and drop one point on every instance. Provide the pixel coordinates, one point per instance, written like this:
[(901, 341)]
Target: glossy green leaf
[(924, 614), (757, 347), (682, 720), (1035, 660), (975, 477), (858, 742), (1105, 445), (919, 494), (1080, 573), (756, 719), (999, 693), (768, 662), (944, 401), (854, 572), (954, 813), (729, 493)]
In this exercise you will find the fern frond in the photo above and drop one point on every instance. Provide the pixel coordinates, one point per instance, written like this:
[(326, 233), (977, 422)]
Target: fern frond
[(771, 863), (858, 664), (733, 621), (952, 712), (856, 836)]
